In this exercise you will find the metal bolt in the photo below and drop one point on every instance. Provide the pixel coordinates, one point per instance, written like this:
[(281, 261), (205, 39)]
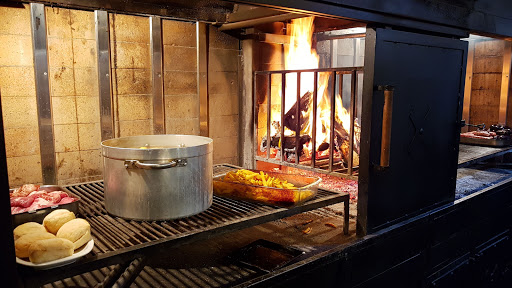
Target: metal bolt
[(44, 73)]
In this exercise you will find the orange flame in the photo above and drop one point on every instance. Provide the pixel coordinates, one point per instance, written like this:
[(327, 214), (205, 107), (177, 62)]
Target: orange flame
[(300, 55)]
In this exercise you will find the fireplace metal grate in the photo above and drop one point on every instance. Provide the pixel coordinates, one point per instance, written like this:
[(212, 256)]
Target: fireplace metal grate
[(262, 79)]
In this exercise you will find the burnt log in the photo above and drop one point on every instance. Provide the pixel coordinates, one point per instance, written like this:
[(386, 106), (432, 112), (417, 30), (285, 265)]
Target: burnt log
[(289, 120), (288, 143)]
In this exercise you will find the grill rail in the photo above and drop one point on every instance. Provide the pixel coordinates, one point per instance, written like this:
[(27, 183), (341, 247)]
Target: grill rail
[(118, 240)]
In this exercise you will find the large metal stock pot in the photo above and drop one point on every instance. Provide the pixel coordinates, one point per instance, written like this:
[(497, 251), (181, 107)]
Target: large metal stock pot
[(157, 177)]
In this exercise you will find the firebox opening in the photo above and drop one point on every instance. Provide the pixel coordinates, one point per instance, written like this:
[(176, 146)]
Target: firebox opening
[(308, 95)]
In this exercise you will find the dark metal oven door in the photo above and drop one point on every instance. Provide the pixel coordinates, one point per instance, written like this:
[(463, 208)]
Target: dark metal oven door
[(413, 168)]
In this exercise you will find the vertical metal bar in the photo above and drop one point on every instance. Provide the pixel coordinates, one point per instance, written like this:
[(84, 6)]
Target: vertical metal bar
[(352, 114), (333, 119), (157, 72), (269, 107), (283, 95), (202, 77), (44, 107), (104, 79), (346, 215), (467, 85), (507, 53), (255, 107), (248, 134), (313, 132), (297, 116)]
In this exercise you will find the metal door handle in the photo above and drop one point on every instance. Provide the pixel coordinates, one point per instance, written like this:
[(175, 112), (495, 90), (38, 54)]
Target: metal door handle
[(387, 113), (132, 164)]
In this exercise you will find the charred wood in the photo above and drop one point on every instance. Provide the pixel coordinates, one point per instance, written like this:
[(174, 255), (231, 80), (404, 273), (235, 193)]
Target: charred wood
[(288, 143), (289, 120)]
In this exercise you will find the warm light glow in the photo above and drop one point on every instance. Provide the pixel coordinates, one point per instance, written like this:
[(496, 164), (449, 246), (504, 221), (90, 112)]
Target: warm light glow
[(300, 55)]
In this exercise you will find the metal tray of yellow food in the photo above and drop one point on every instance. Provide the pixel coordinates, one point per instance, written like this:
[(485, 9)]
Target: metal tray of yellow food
[(272, 188)]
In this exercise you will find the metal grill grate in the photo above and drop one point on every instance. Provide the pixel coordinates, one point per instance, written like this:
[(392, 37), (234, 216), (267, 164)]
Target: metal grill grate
[(221, 276), (112, 233), (118, 240), (212, 276)]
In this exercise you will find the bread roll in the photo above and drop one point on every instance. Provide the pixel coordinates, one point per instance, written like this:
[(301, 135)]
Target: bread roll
[(46, 250), (77, 231), (23, 243), (26, 228), (53, 221)]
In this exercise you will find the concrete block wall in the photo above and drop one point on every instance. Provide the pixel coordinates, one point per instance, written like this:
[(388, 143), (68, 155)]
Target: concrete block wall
[(223, 71), (74, 88), (73, 80), (131, 75), (180, 77), (19, 104)]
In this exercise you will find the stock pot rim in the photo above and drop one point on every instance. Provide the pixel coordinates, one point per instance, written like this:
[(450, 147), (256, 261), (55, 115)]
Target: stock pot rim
[(194, 146)]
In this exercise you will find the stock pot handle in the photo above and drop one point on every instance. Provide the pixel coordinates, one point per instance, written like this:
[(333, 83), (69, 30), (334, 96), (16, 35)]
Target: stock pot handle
[(132, 164)]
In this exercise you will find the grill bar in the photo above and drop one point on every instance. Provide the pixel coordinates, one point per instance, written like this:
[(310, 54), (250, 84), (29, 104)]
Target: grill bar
[(297, 117), (333, 113), (352, 110), (315, 107)]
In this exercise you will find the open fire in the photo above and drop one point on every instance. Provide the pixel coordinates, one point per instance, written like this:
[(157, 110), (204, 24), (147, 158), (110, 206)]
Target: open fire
[(305, 114)]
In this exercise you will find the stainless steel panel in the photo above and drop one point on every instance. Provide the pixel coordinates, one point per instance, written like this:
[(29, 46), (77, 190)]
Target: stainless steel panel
[(157, 71), (334, 53), (104, 79), (44, 108), (202, 77)]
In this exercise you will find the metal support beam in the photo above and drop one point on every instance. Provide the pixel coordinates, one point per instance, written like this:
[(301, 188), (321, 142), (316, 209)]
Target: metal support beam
[(157, 71), (202, 77), (247, 132), (104, 79), (258, 21), (44, 106)]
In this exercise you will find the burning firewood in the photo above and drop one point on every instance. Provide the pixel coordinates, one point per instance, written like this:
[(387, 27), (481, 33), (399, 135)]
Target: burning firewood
[(289, 120), (289, 142)]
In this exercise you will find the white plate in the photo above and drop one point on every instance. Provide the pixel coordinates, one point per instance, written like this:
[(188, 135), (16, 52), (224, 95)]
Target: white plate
[(84, 250)]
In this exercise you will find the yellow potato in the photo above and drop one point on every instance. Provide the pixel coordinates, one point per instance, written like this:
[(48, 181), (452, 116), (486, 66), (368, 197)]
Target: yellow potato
[(260, 179)]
